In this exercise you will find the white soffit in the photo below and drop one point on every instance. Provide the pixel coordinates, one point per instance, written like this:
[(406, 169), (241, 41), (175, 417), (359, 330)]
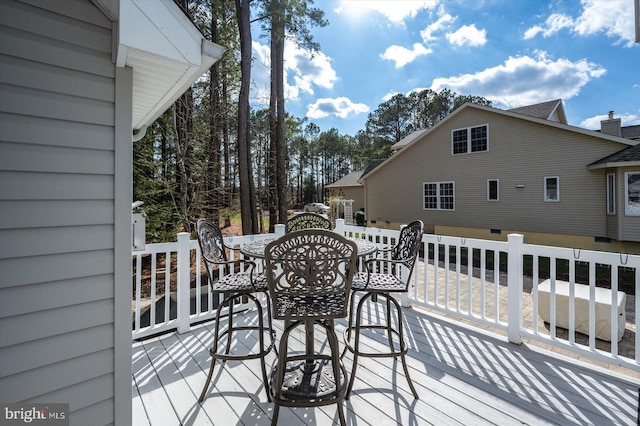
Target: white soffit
[(165, 50)]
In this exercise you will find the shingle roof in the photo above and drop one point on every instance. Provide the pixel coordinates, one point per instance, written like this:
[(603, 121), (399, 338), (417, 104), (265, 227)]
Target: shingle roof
[(407, 139), (543, 110), (349, 180), (626, 155), (372, 165), (631, 132), (352, 178)]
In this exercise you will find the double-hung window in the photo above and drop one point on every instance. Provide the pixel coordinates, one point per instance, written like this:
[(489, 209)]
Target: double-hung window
[(439, 196), (552, 188), (470, 139)]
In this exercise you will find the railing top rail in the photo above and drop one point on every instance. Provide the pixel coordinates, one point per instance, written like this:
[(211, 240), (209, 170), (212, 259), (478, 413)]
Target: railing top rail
[(620, 259)]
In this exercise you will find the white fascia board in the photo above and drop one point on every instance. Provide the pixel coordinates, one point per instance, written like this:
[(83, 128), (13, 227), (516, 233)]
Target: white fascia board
[(159, 27)]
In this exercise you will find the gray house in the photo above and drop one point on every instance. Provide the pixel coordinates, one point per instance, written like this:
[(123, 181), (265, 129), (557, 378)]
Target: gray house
[(484, 172), (79, 80)]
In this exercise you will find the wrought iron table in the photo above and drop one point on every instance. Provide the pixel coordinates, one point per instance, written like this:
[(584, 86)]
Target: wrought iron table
[(256, 248)]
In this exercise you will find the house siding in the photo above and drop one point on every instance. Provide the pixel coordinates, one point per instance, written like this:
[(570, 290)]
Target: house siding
[(57, 196), (521, 152), (350, 193)]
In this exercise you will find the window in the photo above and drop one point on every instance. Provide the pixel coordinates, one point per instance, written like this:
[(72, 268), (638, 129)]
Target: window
[(439, 196), (552, 188), (632, 193), (611, 193), (471, 139), (493, 190)]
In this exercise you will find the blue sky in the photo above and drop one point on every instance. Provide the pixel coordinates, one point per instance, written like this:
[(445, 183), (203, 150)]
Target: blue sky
[(513, 52)]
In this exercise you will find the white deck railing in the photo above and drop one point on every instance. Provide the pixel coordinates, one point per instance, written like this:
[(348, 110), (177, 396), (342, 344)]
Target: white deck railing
[(455, 276)]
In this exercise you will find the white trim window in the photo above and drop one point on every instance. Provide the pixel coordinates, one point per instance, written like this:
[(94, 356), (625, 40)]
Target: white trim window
[(470, 139), (632, 193), (493, 190), (552, 188), (611, 193), (439, 196)]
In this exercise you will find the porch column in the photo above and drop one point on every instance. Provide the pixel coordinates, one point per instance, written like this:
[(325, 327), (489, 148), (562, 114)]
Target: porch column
[(184, 282), (514, 287)]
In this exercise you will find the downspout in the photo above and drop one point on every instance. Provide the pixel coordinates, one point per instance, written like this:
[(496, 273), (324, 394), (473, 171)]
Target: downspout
[(139, 133)]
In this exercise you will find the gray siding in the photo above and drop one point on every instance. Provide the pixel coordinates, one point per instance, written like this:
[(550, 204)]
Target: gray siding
[(57, 195), (520, 152)]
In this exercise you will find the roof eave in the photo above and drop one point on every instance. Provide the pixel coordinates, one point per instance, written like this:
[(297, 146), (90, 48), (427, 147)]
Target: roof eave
[(166, 51), (613, 165)]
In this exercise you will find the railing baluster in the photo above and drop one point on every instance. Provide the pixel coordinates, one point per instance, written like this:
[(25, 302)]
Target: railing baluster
[(430, 284)]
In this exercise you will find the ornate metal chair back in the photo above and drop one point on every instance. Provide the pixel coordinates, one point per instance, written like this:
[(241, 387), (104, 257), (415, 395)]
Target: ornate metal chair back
[(309, 273), (307, 221), (211, 244), (408, 246)]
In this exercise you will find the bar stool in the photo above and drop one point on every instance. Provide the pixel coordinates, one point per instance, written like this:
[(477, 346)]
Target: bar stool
[(382, 278), (309, 274), (233, 285)]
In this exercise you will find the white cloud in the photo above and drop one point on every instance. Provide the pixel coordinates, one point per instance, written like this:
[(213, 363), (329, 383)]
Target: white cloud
[(594, 122), (302, 72), (402, 56), (305, 70), (613, 18), (389, 95), (443, 22), (468, 35), (340, 107), (394, 10), (260, 69), (552, 25), (525, 80)]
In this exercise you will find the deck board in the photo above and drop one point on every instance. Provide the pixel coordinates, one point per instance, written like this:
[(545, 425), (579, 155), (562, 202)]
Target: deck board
[(463, 376)]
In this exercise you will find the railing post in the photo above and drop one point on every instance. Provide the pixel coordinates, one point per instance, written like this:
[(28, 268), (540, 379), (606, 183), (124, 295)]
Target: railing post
[(279, 229), (514, 287), (184, 282), (340, 225)]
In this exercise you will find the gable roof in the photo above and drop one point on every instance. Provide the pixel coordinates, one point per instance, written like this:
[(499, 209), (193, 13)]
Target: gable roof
[(353, 178), (349, 180), (507, 113), (550, 110), (407, 139)]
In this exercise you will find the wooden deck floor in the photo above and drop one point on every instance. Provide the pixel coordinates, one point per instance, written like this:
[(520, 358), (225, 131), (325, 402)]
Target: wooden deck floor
[(463, 376)]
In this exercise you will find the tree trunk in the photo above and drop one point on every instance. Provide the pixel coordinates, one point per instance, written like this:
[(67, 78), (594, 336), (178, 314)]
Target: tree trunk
[(276, 116), (247, 200)]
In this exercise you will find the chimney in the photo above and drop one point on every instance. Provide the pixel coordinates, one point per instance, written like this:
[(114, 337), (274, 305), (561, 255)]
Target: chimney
[(611, 126)]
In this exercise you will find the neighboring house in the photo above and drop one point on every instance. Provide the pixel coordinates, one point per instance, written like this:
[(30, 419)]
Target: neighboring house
[(483, 173), (79, 80), (349, 187)]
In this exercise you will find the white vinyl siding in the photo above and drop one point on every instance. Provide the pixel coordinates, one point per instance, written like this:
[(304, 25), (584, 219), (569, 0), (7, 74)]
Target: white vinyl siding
[(57, 197), (552, 188), (611, 193)]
